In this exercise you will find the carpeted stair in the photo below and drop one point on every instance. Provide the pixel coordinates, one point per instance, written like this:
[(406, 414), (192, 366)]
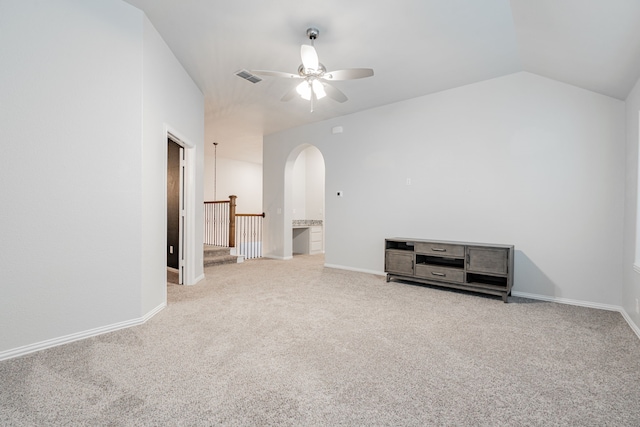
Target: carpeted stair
[(218, 255)]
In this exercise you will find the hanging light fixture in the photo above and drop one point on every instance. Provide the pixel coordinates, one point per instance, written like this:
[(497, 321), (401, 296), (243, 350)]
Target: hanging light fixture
[(318, 89), (215, 169), (304, 90), (311, 87)]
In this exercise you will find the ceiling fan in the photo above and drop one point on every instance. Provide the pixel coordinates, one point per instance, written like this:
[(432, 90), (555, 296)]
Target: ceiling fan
[(316, 78)]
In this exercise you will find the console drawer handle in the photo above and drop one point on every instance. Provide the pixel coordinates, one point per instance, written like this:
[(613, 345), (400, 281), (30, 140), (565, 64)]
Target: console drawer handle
[(438, 250), (438, 274)]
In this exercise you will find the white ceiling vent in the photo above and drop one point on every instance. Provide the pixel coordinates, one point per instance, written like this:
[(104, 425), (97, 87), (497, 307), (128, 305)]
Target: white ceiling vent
[(248, 76)]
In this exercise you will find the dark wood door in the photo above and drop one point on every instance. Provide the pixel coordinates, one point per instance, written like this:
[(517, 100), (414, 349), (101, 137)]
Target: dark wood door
[(173, 204)]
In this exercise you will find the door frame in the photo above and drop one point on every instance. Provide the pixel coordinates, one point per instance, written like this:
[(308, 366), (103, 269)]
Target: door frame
[(178, 245), (187, 257)]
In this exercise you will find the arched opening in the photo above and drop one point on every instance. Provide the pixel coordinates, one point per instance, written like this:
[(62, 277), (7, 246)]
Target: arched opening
[(304, 201)]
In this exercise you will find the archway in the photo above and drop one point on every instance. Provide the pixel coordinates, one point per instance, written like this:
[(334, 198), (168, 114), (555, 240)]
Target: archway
[(304, 201)]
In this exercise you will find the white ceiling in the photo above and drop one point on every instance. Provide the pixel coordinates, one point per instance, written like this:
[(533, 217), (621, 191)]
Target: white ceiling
[(416, 47)]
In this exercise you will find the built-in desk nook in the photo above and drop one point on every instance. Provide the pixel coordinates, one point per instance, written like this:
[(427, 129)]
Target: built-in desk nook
[(307, 236)]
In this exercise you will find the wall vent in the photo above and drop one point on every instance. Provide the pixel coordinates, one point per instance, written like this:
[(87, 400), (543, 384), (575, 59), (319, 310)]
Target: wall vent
[(248, 76)]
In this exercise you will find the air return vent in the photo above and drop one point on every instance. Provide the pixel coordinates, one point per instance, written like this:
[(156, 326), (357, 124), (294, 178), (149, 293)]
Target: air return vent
[(248, 76)]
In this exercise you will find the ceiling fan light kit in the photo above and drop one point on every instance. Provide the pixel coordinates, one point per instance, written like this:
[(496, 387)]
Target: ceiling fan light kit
[(315, 76)]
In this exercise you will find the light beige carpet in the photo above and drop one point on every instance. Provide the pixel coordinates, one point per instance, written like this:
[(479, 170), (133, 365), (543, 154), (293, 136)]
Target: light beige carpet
[(291, 343)]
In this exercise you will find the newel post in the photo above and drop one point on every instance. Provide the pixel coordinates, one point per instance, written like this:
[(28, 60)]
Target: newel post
[(232, 221)]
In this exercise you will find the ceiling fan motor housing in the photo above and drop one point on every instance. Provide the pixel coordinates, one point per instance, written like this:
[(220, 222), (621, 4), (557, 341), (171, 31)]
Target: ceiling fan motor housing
[(316, 73), (313, 33)]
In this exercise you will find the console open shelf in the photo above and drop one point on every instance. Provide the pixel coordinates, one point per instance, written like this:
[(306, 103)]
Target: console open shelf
[(399, 246), (443, 262), (484, 279)]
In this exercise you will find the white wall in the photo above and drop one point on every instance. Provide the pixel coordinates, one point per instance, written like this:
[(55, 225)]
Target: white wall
[(518, 160), (308, 185), (314, 184), (172, 102), (299, 186), (77, 207), (70, 79), (631, 286), (234, 177)]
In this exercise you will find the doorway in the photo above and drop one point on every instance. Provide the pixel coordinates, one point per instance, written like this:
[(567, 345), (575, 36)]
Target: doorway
[(307, 201), (175, 211)]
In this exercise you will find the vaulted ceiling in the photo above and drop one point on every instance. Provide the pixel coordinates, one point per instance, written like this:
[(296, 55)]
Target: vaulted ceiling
[(416, 47)]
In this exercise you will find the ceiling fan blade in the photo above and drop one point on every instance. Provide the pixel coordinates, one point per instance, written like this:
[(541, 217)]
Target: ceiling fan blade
[(348, 74), (309, 57), (276, 74), (334, 93)]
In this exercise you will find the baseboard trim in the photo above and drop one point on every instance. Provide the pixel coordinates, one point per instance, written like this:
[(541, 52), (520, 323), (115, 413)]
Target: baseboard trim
[(153, 312), (580, 303), (634, 327), (359, 270), (43, 345), (567, 301), (198, 279), (281, 258)]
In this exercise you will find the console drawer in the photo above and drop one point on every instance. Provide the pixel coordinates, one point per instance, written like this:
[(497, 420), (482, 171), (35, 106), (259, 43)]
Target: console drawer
[(434, 272), (440, 249)]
